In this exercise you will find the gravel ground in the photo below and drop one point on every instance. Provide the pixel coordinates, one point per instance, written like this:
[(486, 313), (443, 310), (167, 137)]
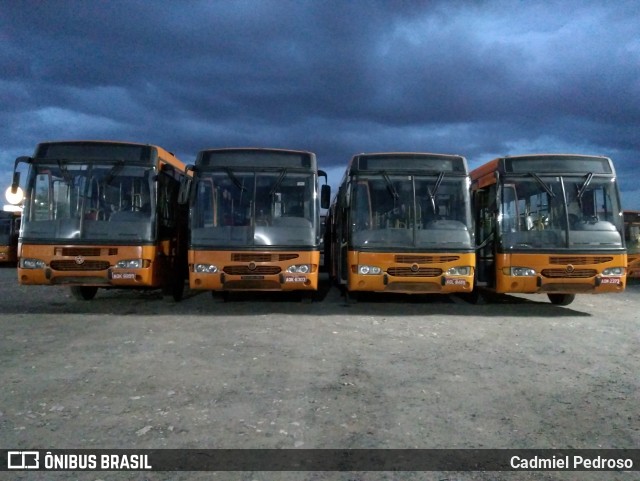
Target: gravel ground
[(130, 370)]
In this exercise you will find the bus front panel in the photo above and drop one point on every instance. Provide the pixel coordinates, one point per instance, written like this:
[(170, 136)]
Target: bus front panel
[(95, 265), (559, 273), (287, 270), (410, 273)]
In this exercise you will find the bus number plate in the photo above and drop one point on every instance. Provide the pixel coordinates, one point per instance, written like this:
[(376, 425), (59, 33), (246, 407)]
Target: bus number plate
[(456, 282), (123, 275), (610, 280), (294, 279)]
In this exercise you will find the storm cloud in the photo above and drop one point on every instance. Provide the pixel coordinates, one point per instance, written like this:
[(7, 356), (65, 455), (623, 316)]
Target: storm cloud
[(481, 79)]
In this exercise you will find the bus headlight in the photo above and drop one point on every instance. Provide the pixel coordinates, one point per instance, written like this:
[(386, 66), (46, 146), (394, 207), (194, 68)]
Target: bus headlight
[(522, 271), (27, 263), (299, 269), (129, 264), (205, 268), (369, 270), (459, 271), (613, 271)]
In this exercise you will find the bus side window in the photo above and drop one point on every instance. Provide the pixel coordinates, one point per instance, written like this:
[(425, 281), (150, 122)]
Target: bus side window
[(41, 198), (362, 216), (167, 200), (510, 218), (206, 203), (486, 213)]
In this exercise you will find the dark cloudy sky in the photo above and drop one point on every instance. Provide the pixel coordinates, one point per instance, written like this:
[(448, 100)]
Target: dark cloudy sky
[(481, 79)]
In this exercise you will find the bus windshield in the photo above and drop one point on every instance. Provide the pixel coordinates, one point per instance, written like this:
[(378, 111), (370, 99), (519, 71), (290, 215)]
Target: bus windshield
[(392, 210), (248, 208), (560, 212), (99, 201)]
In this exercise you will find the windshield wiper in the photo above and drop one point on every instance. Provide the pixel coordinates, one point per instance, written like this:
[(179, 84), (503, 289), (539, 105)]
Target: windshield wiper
[(432, 195), (391, 187), (235, 180), (581, 190), (115, 170), (68, 178), (278, 182), (543, 184)]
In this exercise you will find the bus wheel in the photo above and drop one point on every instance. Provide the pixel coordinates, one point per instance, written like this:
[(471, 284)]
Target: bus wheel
[(473, 297), (175, 289), (84, 293), (561, 299), (350, 297)]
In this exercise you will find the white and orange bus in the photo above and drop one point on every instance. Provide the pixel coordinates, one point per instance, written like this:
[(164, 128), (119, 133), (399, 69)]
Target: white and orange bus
[(401, 223), (101, 214), (551, 224), (254, 220)]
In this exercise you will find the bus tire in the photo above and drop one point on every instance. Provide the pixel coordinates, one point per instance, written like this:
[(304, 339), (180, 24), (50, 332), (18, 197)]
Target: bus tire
[(561, 299), (175, 290), (474, 297), (84, 293), (350, 297)]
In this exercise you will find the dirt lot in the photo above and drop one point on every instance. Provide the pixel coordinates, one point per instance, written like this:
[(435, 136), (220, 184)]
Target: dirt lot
[(130, 370)]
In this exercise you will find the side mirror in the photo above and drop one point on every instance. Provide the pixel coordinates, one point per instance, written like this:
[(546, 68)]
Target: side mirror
[(15, 183), (325, 196)]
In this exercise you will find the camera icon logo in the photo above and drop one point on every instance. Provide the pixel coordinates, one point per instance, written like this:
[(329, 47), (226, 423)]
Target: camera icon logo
[(23, 460)]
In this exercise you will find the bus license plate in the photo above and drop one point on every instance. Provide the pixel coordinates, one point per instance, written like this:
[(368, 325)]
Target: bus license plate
[(123, 275), (294, 279), (455, 282), (610, 280)]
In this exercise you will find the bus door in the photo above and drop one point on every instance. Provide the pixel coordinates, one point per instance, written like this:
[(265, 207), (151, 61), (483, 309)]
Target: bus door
[(486, 229), (342, 223)]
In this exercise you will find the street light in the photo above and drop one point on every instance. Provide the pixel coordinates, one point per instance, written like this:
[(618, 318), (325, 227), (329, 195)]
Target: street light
[(14, 198)]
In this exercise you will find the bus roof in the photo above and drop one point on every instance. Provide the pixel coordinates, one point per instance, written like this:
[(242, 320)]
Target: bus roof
[(107, 150), (257, 157), (407, 161), (546, 163)]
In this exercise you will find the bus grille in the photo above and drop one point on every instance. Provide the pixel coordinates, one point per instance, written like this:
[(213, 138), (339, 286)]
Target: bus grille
[(72, 265), (579, 260), (245, 271), (248, 257), (414, 259), (563, 273), (85, 251), (407, 272)]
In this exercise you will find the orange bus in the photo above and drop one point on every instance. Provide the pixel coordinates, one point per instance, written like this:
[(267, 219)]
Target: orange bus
[(254, 220), (401, 223), (101, 214), (9, 228), (632, 237), (549, 224)]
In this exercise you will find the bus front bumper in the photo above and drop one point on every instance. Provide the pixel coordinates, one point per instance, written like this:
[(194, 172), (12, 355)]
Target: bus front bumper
[(110, 277), (538, 284), (278, 282), (408, 285)]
